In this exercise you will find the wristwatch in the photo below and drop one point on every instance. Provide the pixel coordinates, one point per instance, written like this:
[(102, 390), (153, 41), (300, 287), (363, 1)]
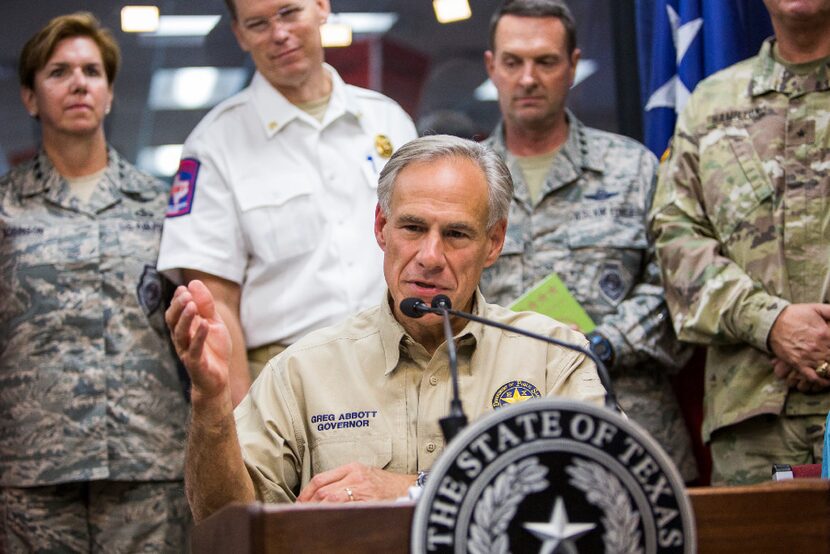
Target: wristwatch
[(601, 346)]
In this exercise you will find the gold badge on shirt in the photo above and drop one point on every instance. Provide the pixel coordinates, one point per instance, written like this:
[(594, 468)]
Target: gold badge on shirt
[(383, 146), (515, 392)]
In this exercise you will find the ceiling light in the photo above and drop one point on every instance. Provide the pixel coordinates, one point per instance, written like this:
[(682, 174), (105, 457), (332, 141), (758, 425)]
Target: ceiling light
[(336, 34), (191, 88), (161, 161), (185, 25), (139, 19), (369, 23), (448, 11)]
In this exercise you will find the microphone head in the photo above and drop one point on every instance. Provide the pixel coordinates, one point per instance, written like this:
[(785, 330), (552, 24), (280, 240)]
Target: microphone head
[(441, 301), (413, 307)]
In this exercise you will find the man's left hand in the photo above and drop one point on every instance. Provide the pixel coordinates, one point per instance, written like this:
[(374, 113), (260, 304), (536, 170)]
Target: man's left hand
[(363, 482), (796, 380)]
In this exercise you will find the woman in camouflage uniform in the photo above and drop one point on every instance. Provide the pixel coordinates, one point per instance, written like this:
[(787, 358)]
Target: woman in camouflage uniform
[(92, 408)]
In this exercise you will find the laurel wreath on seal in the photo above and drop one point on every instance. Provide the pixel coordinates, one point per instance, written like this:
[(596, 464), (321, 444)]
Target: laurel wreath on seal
[(605, 491), (498, 503)]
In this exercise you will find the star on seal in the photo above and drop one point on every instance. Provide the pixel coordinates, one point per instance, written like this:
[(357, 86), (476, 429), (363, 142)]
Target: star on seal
[(558, 530)]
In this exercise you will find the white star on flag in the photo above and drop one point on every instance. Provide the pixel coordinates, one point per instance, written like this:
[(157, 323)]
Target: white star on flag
[(673, 93)]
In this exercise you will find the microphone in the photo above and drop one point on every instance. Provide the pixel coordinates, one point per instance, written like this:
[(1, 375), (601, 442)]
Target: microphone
[(604, 377), (414, 307)]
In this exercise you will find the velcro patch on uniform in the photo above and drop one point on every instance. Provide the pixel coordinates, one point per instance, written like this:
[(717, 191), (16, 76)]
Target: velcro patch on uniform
[(515, 392), (149, 290), (611, 282), (184, 188)]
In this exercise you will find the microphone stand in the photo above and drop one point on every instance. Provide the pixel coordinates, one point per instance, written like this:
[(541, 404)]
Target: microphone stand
[(604, 377), (456, 420)]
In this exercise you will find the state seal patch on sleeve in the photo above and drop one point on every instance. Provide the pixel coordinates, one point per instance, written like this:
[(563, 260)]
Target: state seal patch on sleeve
[(183, 188), (554, 476), (515, 392)]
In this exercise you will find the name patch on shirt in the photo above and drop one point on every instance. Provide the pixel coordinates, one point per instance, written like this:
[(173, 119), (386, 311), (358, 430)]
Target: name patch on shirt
[(735, 116), (184, 188), (515, 392), (343, 420), (11, 232)]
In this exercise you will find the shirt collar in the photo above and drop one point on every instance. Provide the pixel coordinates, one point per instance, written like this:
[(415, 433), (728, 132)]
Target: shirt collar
[(769, 75), (393, 336), (275, 112), (574, 157), (45, 178)]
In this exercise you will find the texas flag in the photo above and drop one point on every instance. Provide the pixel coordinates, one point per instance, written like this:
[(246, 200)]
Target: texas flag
[(682, 41)]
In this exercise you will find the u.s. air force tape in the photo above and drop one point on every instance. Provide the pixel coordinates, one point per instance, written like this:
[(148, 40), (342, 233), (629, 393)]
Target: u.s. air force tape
[(554, 476)]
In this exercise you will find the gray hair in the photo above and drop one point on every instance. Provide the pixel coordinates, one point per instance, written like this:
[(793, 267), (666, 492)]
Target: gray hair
[(435, 147), (537, 8)]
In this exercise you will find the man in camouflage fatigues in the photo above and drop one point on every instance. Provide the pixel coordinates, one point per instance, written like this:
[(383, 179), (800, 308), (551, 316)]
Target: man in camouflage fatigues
[(92, 405), (587, 221), (742, 225)]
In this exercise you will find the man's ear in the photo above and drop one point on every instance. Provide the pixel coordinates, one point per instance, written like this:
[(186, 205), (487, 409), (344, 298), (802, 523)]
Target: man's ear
[(489, 60), (575, 55), (495, 236), (380, 224)]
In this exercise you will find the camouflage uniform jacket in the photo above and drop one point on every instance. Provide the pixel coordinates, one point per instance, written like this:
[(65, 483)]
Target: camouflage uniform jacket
[(88, 386), (589, 226), (742, 226)]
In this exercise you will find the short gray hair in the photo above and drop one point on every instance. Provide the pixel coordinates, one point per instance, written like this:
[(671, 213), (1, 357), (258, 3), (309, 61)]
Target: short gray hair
[(435, 147)]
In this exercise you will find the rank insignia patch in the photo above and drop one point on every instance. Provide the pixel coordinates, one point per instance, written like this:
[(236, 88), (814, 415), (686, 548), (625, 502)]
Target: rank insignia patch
[(515, 392), (183, 188)]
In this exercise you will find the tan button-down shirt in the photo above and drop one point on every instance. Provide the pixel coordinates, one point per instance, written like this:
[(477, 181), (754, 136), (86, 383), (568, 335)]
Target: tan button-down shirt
[(364, 391)]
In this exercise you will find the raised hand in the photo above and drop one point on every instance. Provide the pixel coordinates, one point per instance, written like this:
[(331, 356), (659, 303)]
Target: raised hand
[(201, 338)]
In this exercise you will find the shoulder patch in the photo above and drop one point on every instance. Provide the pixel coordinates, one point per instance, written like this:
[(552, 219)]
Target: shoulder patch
[(184, 188), (515, 392)]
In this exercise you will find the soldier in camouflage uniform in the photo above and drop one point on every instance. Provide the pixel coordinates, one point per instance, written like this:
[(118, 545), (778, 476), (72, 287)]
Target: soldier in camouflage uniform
[(741, 220), (587, 220), (92, 406)]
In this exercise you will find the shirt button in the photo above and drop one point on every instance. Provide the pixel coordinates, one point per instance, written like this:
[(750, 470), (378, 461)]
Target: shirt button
[(433, 380), (430, 447)]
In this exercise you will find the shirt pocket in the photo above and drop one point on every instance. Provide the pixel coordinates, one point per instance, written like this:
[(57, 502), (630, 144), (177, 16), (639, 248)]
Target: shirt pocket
[(606, 259), (332, 453), (733, 191), (279, 216)]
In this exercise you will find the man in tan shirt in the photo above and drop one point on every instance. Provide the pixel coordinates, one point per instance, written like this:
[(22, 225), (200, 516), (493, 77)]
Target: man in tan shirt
[(351, 412)]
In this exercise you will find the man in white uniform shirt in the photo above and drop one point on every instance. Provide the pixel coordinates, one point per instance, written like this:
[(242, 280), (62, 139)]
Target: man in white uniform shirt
[(272, 204)]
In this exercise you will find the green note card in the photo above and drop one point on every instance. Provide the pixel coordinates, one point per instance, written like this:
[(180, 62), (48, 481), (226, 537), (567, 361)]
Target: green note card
[(552, 298)]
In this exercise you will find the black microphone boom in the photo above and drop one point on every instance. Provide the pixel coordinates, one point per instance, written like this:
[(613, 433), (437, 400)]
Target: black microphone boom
[(604, 377)]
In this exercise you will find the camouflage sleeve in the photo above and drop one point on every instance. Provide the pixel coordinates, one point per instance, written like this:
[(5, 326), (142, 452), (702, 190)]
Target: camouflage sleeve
[(640, 329), (711, 298)]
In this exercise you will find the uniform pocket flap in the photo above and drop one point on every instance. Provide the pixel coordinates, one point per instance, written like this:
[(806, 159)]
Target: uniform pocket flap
[(258, 192)]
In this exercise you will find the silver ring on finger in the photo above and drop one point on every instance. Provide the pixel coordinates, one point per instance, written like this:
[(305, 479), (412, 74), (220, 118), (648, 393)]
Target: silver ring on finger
[(349, 494)]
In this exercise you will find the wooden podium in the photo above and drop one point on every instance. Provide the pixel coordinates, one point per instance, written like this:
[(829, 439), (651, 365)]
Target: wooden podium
[(777, 517)]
